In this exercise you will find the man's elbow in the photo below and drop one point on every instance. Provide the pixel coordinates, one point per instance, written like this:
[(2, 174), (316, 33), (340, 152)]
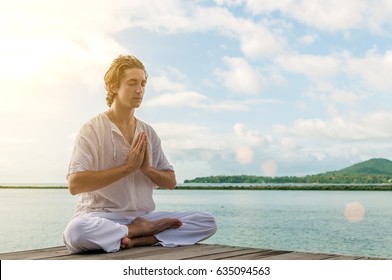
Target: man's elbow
[(73, 184), (173, 183)]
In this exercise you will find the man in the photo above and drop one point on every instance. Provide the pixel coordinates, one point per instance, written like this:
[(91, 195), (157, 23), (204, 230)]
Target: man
[(116, 163)]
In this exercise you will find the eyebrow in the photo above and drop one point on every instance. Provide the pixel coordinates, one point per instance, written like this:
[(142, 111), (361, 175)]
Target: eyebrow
[(135, 80)]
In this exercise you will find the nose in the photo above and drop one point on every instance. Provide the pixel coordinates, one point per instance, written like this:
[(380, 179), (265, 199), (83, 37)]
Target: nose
[(139, 89)]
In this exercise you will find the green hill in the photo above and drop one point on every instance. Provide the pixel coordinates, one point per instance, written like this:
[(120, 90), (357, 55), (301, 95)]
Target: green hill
[(378, 166), (373, 171)]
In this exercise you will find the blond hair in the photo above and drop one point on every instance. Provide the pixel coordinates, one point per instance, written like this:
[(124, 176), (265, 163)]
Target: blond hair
[(116, 71)]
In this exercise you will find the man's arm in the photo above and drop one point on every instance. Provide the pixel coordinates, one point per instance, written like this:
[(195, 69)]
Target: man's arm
[(162, 178), (87, 181)]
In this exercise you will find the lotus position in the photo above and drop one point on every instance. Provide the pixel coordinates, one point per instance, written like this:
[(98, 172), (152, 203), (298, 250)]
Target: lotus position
[(116, 164)]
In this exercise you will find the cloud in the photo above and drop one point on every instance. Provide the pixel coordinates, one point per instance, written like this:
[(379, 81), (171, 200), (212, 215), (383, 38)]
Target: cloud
[(316, 67), (178, 99), (256, 39), (178, 96), (374, 69), (248, 137), (163, 84), (308, 39), (240, 76), (332, 15), (370, 126), (329, 95), (189, 99)]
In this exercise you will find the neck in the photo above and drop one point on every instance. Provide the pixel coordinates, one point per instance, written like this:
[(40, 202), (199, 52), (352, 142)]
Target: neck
[(121, 117)]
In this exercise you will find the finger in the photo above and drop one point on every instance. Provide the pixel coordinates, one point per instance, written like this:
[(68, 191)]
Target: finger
[(144, 147), (139, 141)]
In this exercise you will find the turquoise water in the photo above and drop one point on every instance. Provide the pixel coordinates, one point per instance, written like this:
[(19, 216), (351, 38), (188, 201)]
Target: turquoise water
[(313, 221)]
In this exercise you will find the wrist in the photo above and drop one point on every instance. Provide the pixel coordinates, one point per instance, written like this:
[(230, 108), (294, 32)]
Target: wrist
[(128, 168), (146, 170)]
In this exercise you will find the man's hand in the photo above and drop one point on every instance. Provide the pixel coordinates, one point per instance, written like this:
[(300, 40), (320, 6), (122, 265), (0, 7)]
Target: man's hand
[(137, 153), (146, 161)]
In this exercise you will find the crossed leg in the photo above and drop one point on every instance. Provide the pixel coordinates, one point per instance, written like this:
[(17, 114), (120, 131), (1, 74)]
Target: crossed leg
[(141, 231)]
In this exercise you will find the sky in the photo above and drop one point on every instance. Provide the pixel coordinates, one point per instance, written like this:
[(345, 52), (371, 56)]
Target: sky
[(267, 88)]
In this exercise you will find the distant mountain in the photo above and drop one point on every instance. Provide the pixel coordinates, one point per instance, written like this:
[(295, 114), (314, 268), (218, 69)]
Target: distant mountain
[(376, 166)]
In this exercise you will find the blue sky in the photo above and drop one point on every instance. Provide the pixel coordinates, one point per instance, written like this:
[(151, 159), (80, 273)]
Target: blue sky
[(267, 88)]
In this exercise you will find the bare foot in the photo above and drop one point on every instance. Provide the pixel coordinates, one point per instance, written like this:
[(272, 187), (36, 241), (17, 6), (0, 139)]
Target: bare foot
[(127, 242), (142, 227)]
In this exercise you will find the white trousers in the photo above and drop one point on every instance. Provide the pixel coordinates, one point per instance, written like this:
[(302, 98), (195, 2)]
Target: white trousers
[(104, 231)]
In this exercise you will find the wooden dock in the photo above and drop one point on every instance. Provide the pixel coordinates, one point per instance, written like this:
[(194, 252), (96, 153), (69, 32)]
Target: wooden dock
[(195, 252)]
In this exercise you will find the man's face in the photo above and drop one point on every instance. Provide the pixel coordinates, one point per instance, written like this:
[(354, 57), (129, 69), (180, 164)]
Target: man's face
[(131, 91)]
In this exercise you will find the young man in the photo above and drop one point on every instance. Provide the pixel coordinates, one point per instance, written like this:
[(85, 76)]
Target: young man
[(116, 164)]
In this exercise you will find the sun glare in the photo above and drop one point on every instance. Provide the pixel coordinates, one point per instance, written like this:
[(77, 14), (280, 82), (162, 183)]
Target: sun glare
[(354, 212), (244, 155), (269, 168)]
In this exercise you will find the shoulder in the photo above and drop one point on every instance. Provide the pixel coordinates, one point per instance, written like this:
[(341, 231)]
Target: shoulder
[(146, 127), (94, 125), (149, 130)]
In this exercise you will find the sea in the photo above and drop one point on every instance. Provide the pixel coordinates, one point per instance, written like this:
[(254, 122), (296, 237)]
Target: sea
[(356, 223)]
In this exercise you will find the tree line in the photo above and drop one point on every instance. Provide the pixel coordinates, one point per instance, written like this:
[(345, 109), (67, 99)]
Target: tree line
[(329, 178)]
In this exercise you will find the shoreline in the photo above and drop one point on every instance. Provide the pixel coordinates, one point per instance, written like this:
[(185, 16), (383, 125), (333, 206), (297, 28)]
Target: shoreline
[(310, 187)]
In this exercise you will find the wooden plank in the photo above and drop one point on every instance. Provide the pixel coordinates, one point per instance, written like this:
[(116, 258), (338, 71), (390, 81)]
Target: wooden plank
[(151, 252), (337, 257), (297, 256), (228, 255), (189, 252), (257, 255), (128, 254), (35, 254), (194, 252)]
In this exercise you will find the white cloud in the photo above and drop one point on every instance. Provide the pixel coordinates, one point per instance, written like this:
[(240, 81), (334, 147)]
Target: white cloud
[(316, 67), (188, 136), (178, 99), (370, 126), (168, 79), (258, 40), (332, 15), (308, 39), (172, 17), (328, 94), (188, 99), (240, 77), (246, 136), (192, 99), (374, 69)]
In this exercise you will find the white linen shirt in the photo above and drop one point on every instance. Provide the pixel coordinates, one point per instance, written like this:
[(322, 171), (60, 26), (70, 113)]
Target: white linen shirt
[(100, 145)]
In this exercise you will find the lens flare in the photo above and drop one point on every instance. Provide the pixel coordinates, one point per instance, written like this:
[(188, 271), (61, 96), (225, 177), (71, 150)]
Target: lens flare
[(244, 155), (354, 212), (269, 168)]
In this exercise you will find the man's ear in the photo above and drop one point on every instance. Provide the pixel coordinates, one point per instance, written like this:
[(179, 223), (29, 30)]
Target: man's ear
[(114, 89)]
